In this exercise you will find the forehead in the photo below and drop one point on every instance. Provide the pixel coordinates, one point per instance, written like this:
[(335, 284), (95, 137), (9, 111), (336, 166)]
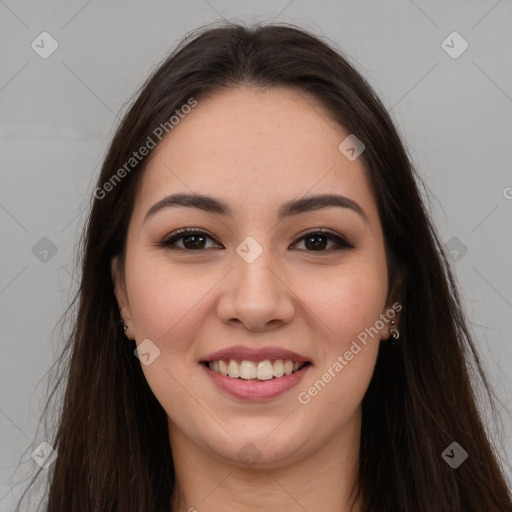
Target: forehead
[(256, 147)]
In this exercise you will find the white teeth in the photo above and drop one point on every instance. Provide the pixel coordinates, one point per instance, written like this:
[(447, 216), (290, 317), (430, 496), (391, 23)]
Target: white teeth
[(247, 370), (223, 367), (278, 368), (233, 369), (265, 370)]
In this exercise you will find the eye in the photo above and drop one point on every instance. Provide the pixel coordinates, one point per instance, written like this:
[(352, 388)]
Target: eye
[(317, 240), (191, 238)]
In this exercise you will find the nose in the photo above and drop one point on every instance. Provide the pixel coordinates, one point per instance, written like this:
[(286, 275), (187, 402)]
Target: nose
[(255, 296)]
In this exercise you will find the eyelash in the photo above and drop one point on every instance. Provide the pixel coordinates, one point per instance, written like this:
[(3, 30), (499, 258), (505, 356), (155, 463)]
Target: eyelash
[(341, 242)]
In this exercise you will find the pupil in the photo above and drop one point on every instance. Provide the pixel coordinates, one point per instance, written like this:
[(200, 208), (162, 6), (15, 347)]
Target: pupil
[(316, 241), (197, 241)]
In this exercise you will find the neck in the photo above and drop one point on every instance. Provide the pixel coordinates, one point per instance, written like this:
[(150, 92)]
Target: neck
[(322, 480)]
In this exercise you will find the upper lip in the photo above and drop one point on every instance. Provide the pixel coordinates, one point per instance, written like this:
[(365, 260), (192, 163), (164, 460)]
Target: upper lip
[(255, 354)]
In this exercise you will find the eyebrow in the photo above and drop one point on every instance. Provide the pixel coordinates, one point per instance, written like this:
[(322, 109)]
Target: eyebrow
[(211, 204)]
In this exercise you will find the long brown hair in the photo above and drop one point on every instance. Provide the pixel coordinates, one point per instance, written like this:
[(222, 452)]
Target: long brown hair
[(112, 438)]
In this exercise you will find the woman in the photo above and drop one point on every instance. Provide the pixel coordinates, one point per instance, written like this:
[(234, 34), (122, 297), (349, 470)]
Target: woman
[(266, 319)]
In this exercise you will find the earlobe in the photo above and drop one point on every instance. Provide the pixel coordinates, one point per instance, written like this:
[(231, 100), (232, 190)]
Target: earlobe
[(391, 314), (121, 296), (391, 319)]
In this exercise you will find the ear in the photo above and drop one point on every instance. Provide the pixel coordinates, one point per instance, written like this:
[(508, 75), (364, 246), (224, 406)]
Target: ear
[(121, 296), (393, 308)]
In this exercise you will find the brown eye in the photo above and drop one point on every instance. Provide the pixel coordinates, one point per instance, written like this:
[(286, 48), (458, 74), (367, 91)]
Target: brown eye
[(191, 239), (319, 240), (194, 241)]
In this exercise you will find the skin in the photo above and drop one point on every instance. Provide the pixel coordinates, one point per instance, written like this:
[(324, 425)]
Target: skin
[(256, 149)]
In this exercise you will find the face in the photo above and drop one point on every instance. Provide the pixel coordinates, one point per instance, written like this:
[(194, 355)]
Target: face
[(264, 274)]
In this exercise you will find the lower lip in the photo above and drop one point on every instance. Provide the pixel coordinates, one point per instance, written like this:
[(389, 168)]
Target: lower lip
[(256, 389)]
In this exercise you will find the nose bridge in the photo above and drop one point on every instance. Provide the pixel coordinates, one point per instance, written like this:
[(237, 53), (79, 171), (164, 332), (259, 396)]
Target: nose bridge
[(256, 277), (253, 276), (256, 295)]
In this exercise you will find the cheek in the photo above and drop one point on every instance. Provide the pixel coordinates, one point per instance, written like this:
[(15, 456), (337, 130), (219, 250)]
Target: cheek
[(165, 302), (350, 346), (346, 301), (167, 307), (348, 304)]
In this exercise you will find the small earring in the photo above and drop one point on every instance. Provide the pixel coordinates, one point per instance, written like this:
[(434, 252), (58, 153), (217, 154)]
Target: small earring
[(395, 333), (121, 322)]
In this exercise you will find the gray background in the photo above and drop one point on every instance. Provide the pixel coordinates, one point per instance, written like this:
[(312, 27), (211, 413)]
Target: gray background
[(57, 115)]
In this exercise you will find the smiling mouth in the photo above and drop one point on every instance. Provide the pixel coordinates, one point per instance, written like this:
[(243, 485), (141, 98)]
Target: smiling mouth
[(269, 369)]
